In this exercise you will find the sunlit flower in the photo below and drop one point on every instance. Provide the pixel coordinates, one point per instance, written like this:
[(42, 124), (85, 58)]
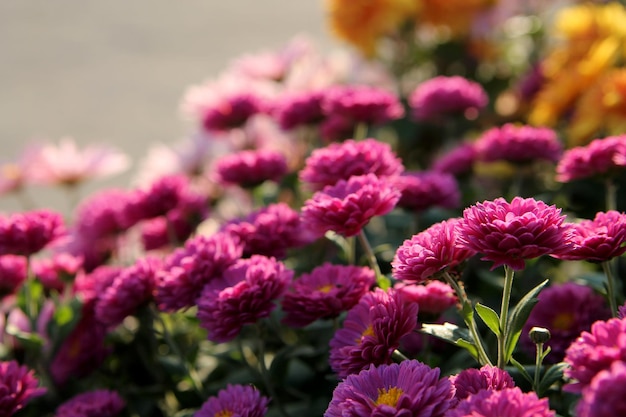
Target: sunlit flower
[(26, 233), (510, 402), (101, 403), (250, 168), (606, 395), (601, 157), (362, 104), (19, 386), (472, 381), (426, 189), (433, 298), (235, 400)]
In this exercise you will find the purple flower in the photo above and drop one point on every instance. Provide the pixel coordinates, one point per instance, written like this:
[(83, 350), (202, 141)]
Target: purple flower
[(518, 144), (188, 269), (104, 214), (232, 112), (595, 351), (362, 104), (429, 252), (297, 109), (18, 386), (509, 402), (600, 157), (371, 331), (90, 286), (409, 388), (251, 168), (243, 294), (131, 289), (27, 233), (325, 292), (596, 240), (457, 161), (348, 206), (433, 298), (336, 128), (566, 310), (423, 190), (621, 311), (606, 395), (12, 273), (97, 403), (472, 381), (340, 161), (159, 198), (509, 233), (235, 400), (442, 96), (54, 272)]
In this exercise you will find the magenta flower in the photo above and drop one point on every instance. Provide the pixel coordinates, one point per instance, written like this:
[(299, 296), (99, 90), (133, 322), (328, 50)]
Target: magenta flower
[(423, 190), (188, 269), (371, 332), (457, 161), (100, 403), (297, 109), (433, 298), (336, 128), (251, 168), (348, 206), (441, 97), (340, 161), (26, 233), (245, 293), (409, 388), (518, 144), (104, 215), (566, 310), (427, 253), (131, 289), (12, 274), (55, 272), (596, 240), (90, 286), (18, 386), (235, 400), (362, 104), (159, 198), (606, 395), (509, 402), (600, 157), (509, 233), (325, 292), (595, 351), (232, 112), (472, 381)]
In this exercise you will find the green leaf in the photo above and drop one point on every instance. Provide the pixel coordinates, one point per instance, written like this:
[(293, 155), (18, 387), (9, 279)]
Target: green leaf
[(28, 340), (519, 316), (552, 375), (489, 317), (521, 369), (453, 334)]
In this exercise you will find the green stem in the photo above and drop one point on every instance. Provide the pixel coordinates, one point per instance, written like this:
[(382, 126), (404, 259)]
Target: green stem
[(538, 361), (265, 374), (398, 356), (382, 281), (504, 315), (611, 194), (360, 131), (610, 286)]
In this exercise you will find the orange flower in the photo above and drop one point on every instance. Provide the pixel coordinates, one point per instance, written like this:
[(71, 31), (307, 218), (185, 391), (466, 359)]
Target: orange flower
[(456, 15)]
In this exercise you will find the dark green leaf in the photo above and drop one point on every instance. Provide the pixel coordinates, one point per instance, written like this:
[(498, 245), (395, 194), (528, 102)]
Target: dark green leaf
[(552, 375), (453, 334), (521, 369), (489, 317)]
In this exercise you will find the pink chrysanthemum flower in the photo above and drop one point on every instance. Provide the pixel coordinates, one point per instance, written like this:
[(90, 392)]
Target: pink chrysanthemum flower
[(100, 403), (103, 214), (362, 104), (606, 395), (596, 240), (348, 206), (14, 174), (336, 128), (325, 292), (340, 161), (371, 331), (297, 109), (159, 198), (457, 161), (245, 293), (509, 233), (235, 400), (26, 233), (250, 168), (566, 310), (12, 274), (90, 286), (269, 231), (423, 190), (595, 351), (67, 165), (600, 157), (18, 386), (409, 388), (472, 381), (186, 271), (429, 252), (518, 144), (440, 97), (131, 289), (621, 311), (433, 298), (55, 272), (509, 402)]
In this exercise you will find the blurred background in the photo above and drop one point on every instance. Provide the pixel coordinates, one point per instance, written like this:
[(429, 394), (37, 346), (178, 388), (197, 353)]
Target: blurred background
[(115, 71)]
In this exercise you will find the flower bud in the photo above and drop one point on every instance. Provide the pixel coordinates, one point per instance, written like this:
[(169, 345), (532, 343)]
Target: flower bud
[(539, 335)]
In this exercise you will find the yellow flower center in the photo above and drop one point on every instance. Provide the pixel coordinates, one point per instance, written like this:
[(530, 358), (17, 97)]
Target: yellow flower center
[(389, 396), (326, 288), (563, 321), (223, 413)]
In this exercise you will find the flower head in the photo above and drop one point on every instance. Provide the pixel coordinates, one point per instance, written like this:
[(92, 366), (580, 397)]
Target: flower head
[(251, 168), (297, 109), (12, 273), (510, 402), (325, 292), (442, 97), (472, 381), (245, 293), (18, 386), (371, 331), (26, 233), (423, 190), (340, 161), (362, 104), (101, 403), (509, 233), (409, 388), (54, 272), (348, 206), (518, 144), (159, 198), (606, 395), (433, 298), (104, 215), (235, 400), (457, 161), (600, 157)]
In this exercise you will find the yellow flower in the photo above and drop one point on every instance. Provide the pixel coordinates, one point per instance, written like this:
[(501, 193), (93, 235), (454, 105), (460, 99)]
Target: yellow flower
[(363, 22)]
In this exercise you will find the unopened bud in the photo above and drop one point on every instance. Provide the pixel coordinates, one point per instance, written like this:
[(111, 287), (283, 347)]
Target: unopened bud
[(539, 335)]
